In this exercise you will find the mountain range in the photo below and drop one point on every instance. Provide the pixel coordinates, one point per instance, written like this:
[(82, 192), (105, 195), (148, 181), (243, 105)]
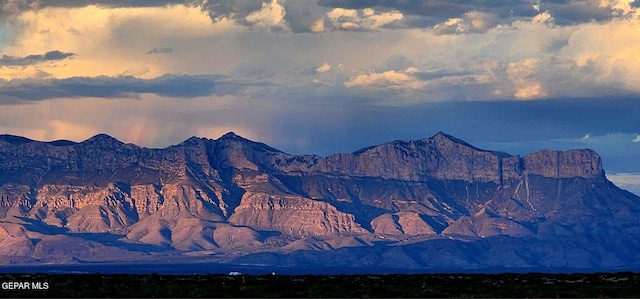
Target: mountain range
[(434, 203)]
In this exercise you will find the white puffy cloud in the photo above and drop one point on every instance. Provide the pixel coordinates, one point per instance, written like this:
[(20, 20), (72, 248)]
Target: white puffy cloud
[(471, 22), (341, 13), (325, 67), (543, 17), (637, 139), (366, 19), (399, 80), (271, 15)]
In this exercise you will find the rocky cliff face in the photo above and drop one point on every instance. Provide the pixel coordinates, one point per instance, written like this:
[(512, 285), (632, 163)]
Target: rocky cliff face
[(234, 195)]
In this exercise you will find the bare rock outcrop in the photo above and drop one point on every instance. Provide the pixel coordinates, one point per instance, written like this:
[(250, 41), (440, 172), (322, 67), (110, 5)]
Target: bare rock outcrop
[(564, 164), (404, 223), (293, 215), (15, 240)]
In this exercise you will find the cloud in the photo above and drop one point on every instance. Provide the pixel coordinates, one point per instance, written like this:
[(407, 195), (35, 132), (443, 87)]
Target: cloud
[(271, 15), (7, 60), (179, 86), (298, 16), (412, 82), (625, 178), (577, 12), (317, 81), (637, 139), (530, 91), (317, 26), (305, 16), (456, 17), (573, 61), (365, 19), (438, 11), (113, 41), (443, 16), (160, 51), (400, 80), (20, 5), (471, 22), (627, 181), (537, 61), (237, 10), (325, 67), (12, 8)]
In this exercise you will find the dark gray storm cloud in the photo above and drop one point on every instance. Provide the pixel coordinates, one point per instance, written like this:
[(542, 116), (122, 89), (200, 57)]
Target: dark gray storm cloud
[(439, 75), (160, 51), (7, 60), (576, 12), (301, 14), (14, 7), (178, 86), (232, 9), (564, 12), (441, 8)]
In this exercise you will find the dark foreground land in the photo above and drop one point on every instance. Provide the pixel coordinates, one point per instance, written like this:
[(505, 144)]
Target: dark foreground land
[(597, 285)]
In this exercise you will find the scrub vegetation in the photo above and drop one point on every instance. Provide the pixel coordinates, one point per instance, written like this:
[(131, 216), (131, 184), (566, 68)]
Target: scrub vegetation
[(352, 286)]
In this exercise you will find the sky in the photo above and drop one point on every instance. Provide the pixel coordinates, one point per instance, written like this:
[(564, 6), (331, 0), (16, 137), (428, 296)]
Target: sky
[(327, 76)]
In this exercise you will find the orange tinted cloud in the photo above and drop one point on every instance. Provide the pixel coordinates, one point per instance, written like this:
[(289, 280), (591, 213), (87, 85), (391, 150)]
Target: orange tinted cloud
[(108, 41)]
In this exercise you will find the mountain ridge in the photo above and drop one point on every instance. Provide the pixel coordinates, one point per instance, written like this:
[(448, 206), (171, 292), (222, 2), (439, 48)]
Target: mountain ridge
[(231, 195), (102, 137)]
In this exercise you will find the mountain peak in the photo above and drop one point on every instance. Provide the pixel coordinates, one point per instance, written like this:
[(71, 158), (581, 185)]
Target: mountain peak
[(234, 138), (102, 138), (230, 135), (194, 139), (444, 136), (237, 140), (441, 134)]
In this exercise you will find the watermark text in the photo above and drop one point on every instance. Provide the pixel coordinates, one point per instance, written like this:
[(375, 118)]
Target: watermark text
[(24, 285)]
